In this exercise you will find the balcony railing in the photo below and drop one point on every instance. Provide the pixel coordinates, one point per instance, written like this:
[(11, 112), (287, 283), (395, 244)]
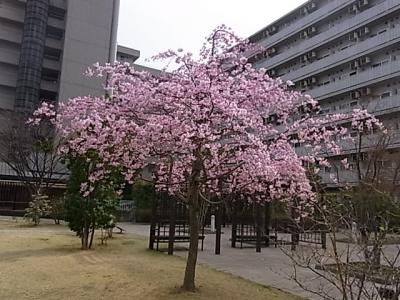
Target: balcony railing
[(8, 13), (11, 34), (362, 48), (51, 86), (304, 22), (348, 146), (376, 106), (52, 64), (349, 83), (56, 23), (345, 176), (56, 44), (8, 56)]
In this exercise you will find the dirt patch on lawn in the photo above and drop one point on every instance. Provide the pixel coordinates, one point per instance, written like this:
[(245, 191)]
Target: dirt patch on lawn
[(45, 262)]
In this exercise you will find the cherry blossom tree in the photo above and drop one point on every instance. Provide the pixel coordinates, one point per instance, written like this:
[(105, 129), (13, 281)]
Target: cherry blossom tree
[(212, 126)]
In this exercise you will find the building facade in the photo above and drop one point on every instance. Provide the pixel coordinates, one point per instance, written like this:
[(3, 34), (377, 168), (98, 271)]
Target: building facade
[(344, 53), (45, 48), (46, 45)]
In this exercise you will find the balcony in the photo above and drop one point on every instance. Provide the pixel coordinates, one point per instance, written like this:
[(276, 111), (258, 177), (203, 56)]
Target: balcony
[(56, 44), (59, 3), (349, 146), (304, 22), (362, 19), (8, 78), (60, 24), (376, 106), (362, 48), (11, 33), (384, 106), (51, 86), (349, 83), (52, 64), (9, 57), (12, 13), (345, 176)]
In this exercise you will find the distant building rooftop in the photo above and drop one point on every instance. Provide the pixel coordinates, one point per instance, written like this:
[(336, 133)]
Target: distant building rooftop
[(125, 54)]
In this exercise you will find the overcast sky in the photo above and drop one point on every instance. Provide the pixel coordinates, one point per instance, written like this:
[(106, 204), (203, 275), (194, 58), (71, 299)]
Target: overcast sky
[(152, 26)]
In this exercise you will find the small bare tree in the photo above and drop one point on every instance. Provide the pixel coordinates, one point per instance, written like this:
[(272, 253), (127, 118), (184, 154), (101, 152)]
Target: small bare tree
[(30, 153), (362, 218)]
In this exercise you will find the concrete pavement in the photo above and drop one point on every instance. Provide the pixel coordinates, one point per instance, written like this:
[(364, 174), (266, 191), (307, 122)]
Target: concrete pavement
[(271, 267)]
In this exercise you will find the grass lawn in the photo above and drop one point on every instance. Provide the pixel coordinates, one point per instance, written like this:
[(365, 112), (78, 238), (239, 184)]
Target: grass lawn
[(45, 262)]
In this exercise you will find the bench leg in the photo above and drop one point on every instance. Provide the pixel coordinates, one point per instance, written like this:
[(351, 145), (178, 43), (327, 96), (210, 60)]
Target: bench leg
[(202, 244)]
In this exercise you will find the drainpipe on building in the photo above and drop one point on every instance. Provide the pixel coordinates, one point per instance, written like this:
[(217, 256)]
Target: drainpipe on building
[(113, 37)]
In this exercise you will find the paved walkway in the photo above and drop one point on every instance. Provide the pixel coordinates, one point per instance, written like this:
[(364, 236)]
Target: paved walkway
[(271, 267)]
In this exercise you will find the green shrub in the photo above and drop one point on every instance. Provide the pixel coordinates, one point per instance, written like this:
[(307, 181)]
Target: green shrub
[(38, 208), (85, 214)]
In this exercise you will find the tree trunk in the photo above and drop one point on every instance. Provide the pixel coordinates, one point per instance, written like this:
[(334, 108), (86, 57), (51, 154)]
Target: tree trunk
[(85, 237), (91, 237), (190, 271)]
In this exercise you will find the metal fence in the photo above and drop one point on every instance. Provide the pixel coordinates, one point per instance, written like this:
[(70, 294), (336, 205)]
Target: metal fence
[(14, 196), (126, 211)]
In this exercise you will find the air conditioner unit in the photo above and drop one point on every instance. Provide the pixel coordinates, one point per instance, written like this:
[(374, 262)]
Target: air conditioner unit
[(313, 54), (355, 95), (363, 3), (353, 36), (353, 9), (272, 30), (312, 6), (365, 60), (272, 50), (272, 72), (364, 31), (311, 30), (303, 58), (354, 65), (313, 80), (304, 83), (303, 34), (366, 91)]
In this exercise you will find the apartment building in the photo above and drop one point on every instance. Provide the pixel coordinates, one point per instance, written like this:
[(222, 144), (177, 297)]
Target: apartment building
[(45, 48), (46, 45), (344, 53)]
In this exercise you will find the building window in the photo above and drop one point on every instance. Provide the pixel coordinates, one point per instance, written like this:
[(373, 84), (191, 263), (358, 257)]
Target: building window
[(52, 54), (386, 95), (56, 13), (54, 33), (49, 75)]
